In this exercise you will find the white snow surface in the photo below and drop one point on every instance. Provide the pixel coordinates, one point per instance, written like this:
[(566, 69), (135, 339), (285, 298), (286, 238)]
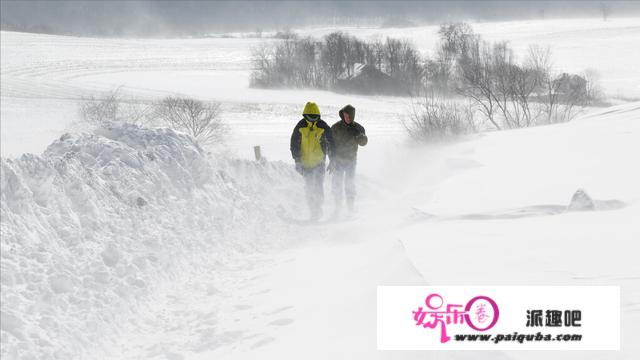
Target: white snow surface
[(213, 264), (101, 221), (131, 243)]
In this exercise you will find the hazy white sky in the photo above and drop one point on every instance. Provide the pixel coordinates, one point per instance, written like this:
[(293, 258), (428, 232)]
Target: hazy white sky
[(146, 17)]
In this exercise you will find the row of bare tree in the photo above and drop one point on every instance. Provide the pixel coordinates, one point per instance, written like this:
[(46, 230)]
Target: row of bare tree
[(309, 62), (506, 92), (510, 94), (471, 84)]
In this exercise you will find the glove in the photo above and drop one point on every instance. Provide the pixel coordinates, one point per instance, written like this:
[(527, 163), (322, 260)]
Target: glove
[(299, 168)]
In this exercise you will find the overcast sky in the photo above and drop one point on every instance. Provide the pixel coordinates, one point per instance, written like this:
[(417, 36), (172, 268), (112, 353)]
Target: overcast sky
[(158, 18)]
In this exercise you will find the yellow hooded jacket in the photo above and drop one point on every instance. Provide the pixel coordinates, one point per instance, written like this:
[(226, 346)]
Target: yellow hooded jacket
[(311, 142)]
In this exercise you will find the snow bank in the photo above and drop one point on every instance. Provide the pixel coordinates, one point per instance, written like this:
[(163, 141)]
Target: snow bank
[(506, 215), (98, 222)]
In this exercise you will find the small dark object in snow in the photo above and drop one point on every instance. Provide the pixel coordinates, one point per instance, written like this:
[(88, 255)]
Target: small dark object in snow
[(141, 202), (581, 201)]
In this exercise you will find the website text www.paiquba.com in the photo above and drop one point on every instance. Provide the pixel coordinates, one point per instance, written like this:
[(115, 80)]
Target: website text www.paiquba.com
[(515, 337)]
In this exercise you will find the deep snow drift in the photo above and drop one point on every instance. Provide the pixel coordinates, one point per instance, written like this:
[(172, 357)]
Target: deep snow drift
[(100, 221)]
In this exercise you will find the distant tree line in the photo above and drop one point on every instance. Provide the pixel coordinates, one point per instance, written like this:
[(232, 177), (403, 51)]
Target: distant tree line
[(510, 94), (470, 85), (308, 62), (504, 91)]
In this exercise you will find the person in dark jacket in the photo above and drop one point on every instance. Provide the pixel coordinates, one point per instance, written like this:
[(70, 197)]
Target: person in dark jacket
[(311, 142), (347, 136)]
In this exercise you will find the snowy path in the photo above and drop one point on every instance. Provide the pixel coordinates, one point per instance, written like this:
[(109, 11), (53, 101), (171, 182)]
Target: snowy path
[(315, 300), (277, 299)]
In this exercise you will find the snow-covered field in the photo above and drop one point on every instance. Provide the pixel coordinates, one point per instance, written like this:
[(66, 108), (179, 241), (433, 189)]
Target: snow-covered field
[(130, 243), (45, 75)]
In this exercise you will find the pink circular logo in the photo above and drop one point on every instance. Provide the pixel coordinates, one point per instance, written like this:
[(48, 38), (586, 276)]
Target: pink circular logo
[(485, 309)]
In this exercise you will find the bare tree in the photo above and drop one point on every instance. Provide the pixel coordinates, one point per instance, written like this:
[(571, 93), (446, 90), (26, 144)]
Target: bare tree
[(540, 58), (333, 56), (95, 110), (527, 83), (411, 69), (261, 58), (308, 62), (113, 107), (432, 119), (593, 90), (455, 39), (509, 94), (375, 54), (552, 104), (199, 119), (573, 96), (563, 97), (476, 80)]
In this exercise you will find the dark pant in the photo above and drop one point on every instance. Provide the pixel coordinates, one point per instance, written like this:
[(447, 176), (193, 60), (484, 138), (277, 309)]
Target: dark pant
[(344, 176), (314, 188)]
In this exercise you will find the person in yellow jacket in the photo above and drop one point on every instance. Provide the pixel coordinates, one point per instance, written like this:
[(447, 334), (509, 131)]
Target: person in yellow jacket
[(311, 143)]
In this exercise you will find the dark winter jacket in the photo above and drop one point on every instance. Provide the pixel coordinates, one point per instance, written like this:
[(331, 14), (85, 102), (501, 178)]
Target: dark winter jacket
[(347, 137), (311, 141)]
